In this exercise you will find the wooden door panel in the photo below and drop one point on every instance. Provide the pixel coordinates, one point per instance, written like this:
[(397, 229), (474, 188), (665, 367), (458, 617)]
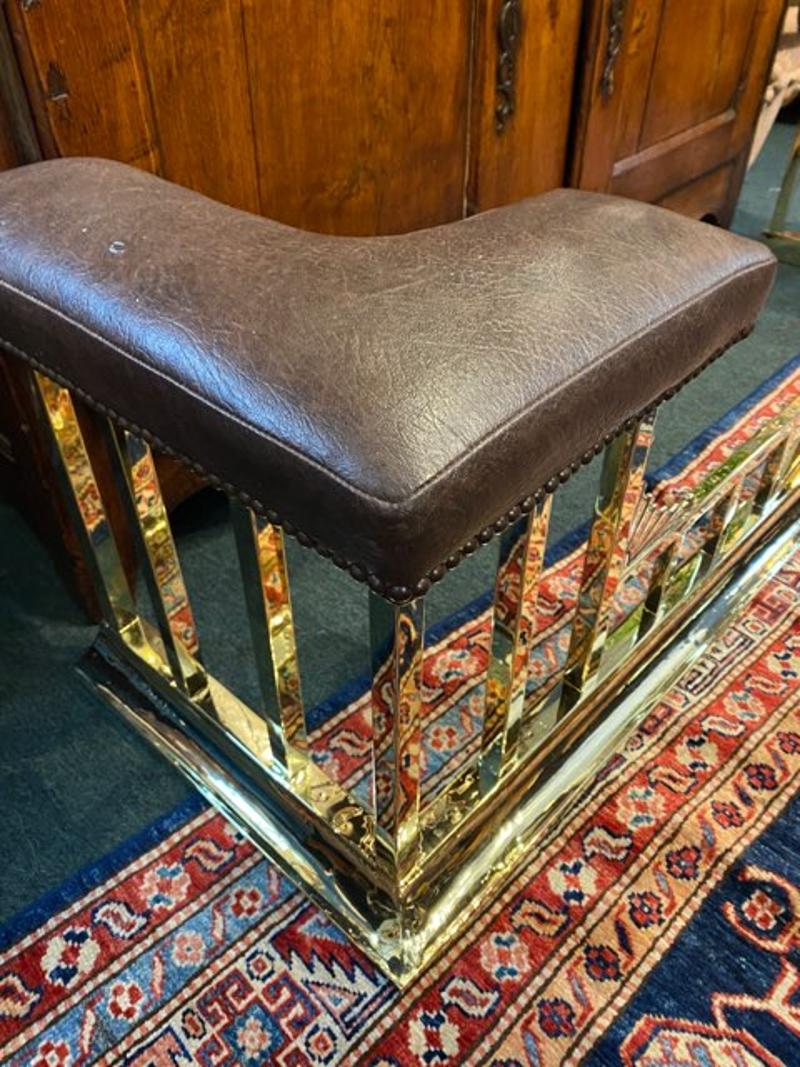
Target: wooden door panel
[(705, 196), (347, 116), (528, 154), (671, 95), (193, 58), (360, 111), (698, 65), (84, 79), (621, 40), (632, 71)]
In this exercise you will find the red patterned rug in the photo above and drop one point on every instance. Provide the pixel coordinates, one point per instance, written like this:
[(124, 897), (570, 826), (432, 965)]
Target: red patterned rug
[(658, 926)]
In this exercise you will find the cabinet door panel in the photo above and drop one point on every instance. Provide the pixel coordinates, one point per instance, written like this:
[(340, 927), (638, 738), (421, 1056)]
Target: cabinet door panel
[(360, 111), (698, 65), (84, 79), (704, 196), (193, 58), (670, 95), (671, 163), (640, 44)]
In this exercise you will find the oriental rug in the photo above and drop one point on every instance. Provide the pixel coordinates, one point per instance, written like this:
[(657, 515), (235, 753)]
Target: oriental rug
[(658, 925)]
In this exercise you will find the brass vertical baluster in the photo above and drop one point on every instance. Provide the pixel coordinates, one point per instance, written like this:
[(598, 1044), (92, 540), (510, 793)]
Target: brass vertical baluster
[(720, 518), (91, 522), (789, 458), (140, 490), (262, 559), (701, 562), (662, 570), (519, 568), (621, 485), (397, 636)]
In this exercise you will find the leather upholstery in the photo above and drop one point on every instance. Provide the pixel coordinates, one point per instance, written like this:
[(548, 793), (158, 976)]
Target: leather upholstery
[(388, 396)]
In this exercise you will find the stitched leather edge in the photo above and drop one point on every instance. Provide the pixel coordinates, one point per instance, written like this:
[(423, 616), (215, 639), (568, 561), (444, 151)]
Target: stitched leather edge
[(395, 593)]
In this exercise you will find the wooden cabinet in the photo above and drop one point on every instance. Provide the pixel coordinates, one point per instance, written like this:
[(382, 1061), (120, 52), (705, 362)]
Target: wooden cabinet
[(359, 111), (669, 99)]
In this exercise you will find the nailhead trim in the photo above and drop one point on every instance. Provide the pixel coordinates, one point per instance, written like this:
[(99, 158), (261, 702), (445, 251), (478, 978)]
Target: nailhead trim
[(397, 594)]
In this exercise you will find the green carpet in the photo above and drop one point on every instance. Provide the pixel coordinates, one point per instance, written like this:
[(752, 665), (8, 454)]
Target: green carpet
[(75, 782)]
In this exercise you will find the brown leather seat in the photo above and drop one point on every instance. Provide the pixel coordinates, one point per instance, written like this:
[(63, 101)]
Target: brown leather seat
[(388, 397)]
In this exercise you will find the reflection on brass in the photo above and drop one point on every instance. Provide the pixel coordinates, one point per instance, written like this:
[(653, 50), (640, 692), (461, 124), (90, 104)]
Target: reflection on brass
[(769, 474), (266, 583), (91, 522), (514, 628), (662, 571), (621, 484), (397, 639)]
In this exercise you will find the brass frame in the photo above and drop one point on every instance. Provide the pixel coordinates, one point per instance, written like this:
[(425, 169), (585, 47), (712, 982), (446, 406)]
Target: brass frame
[(403, 877)]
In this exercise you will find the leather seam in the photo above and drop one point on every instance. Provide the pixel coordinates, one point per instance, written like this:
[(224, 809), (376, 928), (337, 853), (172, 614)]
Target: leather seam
[(396, 506)]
